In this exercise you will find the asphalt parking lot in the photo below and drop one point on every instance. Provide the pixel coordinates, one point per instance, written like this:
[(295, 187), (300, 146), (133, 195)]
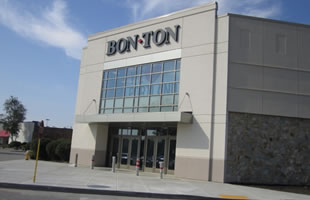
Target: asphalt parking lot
[(11, 154)]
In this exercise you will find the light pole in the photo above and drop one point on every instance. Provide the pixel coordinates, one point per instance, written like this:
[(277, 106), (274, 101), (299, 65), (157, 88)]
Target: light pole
[(47, 121)]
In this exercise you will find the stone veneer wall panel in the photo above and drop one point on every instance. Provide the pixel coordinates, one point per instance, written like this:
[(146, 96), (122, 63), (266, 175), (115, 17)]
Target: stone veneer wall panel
[(265, 149)]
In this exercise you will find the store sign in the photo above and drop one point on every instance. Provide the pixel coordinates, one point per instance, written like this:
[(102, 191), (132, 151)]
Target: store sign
[(159, 37)]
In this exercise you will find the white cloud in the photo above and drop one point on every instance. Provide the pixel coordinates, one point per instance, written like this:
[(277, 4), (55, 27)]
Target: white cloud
[(49, 27), (144, 9)]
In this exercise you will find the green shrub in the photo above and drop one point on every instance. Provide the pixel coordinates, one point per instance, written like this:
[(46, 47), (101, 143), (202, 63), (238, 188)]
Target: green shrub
[(63, 149), (32, 155), (42, 154), (28, 146), (51, 149), (25, 146), (15, 144)]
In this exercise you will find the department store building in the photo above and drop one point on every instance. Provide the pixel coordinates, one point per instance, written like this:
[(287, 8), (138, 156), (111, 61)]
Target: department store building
[(220, 98)]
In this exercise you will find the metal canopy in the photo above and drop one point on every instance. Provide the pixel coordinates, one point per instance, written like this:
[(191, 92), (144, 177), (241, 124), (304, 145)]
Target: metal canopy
[(180, 117)]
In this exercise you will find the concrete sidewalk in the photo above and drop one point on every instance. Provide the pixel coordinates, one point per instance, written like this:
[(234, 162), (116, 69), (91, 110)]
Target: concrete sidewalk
[(62, 175)]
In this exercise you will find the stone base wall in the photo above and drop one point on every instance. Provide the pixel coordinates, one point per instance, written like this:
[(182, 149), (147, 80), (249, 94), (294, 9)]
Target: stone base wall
[(265, 149)]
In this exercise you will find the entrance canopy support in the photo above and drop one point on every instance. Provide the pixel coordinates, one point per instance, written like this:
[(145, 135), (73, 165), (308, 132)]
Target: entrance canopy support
[(180, 117)]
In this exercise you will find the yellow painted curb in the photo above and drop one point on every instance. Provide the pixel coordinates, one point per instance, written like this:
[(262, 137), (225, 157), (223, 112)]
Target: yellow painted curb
[(233, 196)]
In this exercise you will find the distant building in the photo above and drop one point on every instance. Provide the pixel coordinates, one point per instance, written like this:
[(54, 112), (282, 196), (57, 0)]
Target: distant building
[(4, 135), (29, 131)]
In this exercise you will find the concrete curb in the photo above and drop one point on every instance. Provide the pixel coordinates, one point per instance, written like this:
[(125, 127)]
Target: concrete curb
[(102, 192)]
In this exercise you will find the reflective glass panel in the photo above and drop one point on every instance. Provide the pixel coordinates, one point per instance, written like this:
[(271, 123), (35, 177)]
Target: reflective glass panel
[(130, 91), (121, 72), (118, 110), (143, 109), (154, 109), (139, 69), (134, 131), (136, 102), (112, 73), (167, 100), (102, 103), (124, 156), (119, 92), (118, 102), (176, 89), (168, 77), (160, 152), (111, 83), (127, 110), (137, 91), (130, 81), (134, 151), (157, 67), (169, 65), (110, 93), (177, 76), (138, 80), (103, 93), (156, 78), (105, 75), (146, 79), (104, 84), (131, 71), (151, 132), (109, 103), (149, 153), (126, 131), (176, 99), (148, 84), (155, 89), (144, 90), (143, 101), (168, 88), (178, 64), (166, 108), (107, 111), (146, 68), (155, 100), (128, 102), (120, 82)]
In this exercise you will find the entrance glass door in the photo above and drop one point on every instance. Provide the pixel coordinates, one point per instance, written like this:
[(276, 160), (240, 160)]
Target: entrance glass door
[(134, 151), (151, 145), (155, 153), (150, 157), (125, 151), (160, 153)]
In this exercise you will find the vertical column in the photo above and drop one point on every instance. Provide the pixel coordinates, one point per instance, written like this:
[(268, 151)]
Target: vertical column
[(101, 145)]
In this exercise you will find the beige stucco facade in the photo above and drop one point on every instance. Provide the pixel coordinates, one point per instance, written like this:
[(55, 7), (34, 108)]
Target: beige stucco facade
[(229, 63)]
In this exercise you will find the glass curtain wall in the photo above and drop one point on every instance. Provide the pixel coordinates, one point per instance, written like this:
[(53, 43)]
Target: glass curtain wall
[(152, 87)]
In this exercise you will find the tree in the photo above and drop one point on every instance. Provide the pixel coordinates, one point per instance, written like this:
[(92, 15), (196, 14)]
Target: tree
[(15, 113)]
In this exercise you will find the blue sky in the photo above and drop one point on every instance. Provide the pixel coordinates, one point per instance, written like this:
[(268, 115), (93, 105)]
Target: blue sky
[(41, 42)]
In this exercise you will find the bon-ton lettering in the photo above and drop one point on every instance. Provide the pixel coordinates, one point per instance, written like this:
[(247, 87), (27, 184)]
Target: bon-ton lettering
[(159, 37)]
